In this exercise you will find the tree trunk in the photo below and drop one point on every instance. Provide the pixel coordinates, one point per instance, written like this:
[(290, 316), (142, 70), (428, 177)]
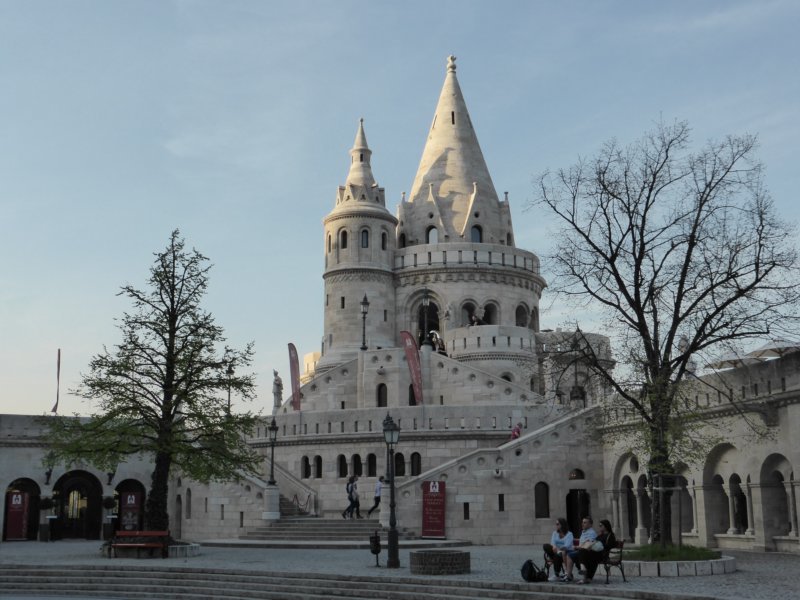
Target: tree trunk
[(157, 515)]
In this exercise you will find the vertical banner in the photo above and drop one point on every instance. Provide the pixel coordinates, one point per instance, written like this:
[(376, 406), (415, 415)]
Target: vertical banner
[(412, 358), (130, 507), (433, 503), (16, 516), (58, 380), (294, 373)]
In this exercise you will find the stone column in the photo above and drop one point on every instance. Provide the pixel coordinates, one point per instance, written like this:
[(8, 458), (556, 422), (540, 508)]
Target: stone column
[(750, 517), (791, 501), (640, 535), (728, 489), (693, 496), (272, 503), (615, 511)]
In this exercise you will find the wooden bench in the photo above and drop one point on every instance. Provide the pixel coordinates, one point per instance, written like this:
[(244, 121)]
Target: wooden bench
[(138, 540), (614, 559)]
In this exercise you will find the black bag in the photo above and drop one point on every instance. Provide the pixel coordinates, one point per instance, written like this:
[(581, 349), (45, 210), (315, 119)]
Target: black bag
[(530, 572)]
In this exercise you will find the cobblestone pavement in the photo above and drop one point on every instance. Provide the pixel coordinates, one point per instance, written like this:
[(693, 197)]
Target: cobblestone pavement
[(770, 576)]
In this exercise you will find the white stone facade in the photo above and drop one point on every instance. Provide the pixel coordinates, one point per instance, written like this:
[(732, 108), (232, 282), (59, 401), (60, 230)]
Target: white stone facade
[(452, 241)]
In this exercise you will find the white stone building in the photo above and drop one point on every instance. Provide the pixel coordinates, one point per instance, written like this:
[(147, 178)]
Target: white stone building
[(451, 244)]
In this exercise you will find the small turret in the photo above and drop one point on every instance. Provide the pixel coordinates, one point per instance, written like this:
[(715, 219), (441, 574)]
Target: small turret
[(359, 251)]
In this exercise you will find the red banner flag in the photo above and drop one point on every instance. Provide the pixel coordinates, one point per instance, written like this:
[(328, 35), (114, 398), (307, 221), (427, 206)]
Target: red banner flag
[(412, 358), (294, 372), (58, 381)]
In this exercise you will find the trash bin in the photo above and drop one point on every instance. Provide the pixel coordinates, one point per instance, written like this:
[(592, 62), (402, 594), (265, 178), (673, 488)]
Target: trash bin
[(375, 546)]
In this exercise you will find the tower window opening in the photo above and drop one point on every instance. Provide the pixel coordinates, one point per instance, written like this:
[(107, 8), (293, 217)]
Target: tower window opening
[(384, 240), (453, 117), (343, 240), (476, 234), (361, 158), (342, 301), (365, 239)]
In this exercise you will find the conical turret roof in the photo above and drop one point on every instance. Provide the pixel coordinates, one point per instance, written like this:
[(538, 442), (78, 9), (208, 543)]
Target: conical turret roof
[(452, 168), (360, 169)]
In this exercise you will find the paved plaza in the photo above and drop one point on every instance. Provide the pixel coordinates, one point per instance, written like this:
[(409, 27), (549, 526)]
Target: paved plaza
[(769, 576)]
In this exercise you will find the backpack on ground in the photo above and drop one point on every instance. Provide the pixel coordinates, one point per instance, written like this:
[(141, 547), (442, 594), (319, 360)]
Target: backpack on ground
[(530, 572)]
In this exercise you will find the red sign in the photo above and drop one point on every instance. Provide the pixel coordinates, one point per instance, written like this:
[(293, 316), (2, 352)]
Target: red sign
[(131, 506), (412, 358), (16, 516), (433, 503)]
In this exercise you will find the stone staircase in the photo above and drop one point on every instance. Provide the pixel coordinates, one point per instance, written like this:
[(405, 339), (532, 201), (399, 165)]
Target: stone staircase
[(318, 530), (289, 508), (182, 583)]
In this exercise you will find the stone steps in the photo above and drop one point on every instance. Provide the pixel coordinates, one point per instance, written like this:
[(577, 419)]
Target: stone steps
[(313, 528), (183, 583)]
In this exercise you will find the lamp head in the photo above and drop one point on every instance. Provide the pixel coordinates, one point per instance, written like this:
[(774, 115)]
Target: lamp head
[(273, 430), (391, 431)]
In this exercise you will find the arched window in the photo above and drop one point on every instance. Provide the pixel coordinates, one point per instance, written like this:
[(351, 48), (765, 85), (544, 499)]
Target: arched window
[(402, 240), (416, 463), (330, 243), (476, 234), (432, 236), (534, 324), (399, 465), (467, 310), (372, 465), (365, 238), (381, 396), (509, 240), (412, 398), (318, 467), (541, 500), (357, 467), (490, 314), (341, 465), (521, 316), (305, 468), (188, 504), (384, 241), (343, 240)]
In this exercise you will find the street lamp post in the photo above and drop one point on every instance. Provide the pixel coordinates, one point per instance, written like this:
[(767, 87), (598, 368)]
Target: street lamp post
[(426, 301), (391, 433), (364, 311), (229, 373), (273, 435)]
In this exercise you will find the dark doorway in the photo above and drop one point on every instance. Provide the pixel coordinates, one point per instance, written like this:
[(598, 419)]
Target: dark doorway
[(21, 520), (579, 505), (78, 497), (433, 321)]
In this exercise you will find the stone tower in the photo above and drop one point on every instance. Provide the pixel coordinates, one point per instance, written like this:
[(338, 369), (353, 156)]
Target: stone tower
[(359, 252)]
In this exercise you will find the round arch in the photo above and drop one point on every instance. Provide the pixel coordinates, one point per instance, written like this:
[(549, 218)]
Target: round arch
[(21, 518), (78, 496)]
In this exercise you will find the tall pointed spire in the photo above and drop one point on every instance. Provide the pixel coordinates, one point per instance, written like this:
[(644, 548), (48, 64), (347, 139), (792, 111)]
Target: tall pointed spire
[(452, 164), (360, 169)]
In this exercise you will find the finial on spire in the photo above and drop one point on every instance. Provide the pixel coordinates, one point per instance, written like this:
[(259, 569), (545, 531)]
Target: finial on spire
[(451, 64)]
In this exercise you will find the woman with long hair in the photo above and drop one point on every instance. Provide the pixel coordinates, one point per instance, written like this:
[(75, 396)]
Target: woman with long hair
[(594, 554), (560, 542)]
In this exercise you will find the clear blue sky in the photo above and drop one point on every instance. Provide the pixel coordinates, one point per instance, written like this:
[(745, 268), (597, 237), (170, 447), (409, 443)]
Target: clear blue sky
[(121, 120)]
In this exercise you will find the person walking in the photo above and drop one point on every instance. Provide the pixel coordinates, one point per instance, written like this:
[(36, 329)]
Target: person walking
[(378, 488), (352, 492)]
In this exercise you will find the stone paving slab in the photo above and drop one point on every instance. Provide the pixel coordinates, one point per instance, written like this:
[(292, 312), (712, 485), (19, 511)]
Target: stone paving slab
[(760, 576)]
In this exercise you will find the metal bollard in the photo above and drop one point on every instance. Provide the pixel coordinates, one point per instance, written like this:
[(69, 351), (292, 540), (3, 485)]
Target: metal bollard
[(375, 546)]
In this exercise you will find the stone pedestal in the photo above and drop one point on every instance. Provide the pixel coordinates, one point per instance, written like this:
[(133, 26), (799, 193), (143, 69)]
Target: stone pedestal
[(272, 504)]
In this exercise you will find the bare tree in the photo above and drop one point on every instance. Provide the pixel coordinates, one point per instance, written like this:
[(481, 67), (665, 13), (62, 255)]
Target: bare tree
[(164, 390), (684, 256)]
